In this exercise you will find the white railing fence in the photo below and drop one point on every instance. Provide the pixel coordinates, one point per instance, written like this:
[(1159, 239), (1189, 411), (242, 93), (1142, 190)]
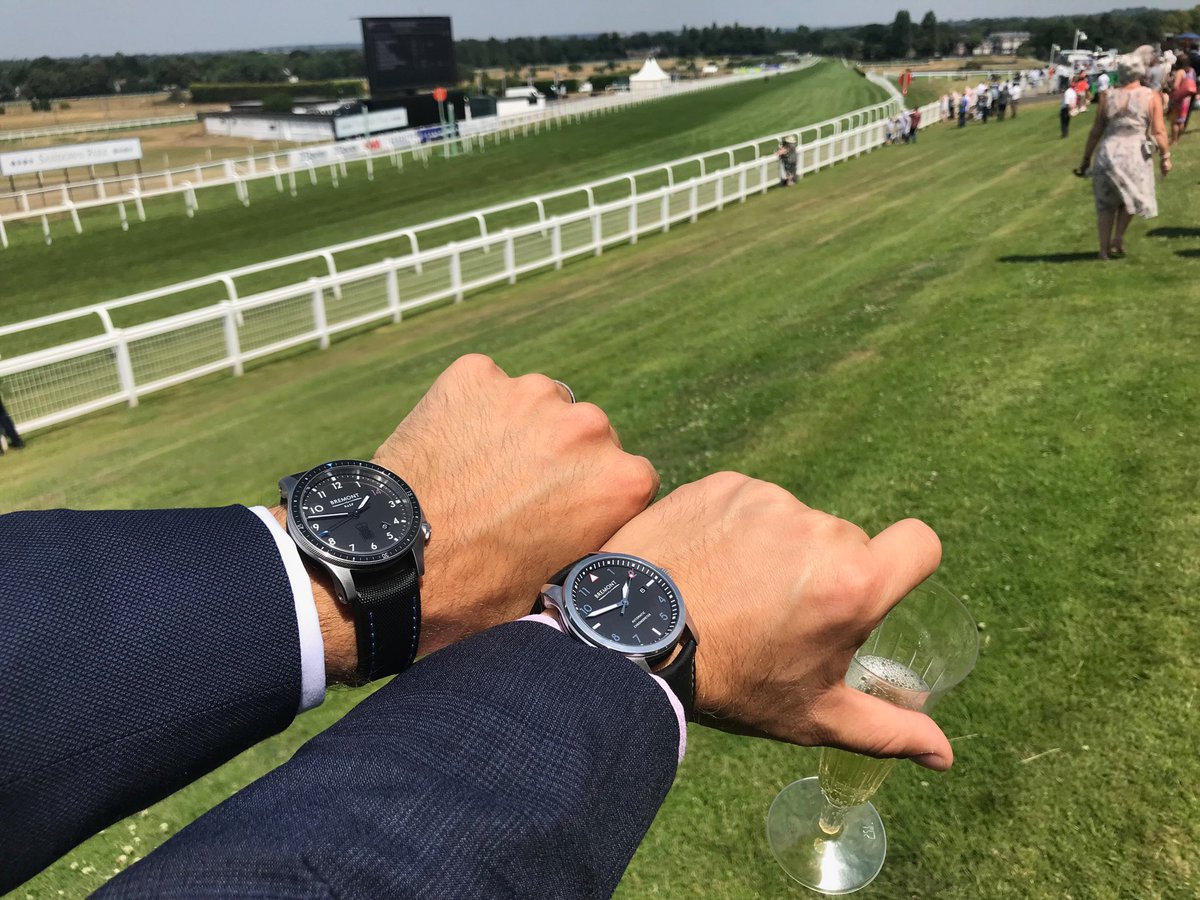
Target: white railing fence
[(231, 284), (29, 134), (292, 167), (124, 364)]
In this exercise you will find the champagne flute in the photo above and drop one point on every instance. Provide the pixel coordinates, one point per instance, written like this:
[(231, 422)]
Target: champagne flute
[(823, 831)]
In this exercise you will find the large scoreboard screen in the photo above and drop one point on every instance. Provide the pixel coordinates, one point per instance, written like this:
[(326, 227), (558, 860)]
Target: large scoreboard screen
[(408, 54)]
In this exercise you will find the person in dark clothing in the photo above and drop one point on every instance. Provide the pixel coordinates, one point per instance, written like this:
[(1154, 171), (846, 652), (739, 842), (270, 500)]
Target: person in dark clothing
[(9, 430), (963, 105)]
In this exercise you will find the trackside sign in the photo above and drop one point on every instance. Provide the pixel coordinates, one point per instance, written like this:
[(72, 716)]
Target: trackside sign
[(69, 156)]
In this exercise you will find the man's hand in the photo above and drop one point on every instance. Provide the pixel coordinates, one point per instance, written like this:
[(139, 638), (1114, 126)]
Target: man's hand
[(781, 596), (516, 482)]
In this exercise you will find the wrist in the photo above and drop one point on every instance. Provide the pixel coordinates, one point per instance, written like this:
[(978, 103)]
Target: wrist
[(337, 623)]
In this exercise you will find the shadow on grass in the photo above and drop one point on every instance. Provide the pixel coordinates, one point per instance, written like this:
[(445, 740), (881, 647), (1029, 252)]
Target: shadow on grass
[(1191, 254), (1172, 231), (1051, 258)]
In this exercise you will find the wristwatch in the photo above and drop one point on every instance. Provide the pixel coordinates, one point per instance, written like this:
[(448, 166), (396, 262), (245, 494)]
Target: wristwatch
[(623, 603), (363, 525)]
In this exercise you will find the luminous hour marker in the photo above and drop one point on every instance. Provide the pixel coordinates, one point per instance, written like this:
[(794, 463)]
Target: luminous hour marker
[(597, 625), (593, 577), (656, 631)]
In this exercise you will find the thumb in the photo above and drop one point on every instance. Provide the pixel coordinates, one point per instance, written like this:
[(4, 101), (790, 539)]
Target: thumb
[(865, 724)]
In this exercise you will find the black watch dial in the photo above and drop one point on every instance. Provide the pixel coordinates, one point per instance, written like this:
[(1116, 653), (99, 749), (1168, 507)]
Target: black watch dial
[(624, 603), (355, 513)]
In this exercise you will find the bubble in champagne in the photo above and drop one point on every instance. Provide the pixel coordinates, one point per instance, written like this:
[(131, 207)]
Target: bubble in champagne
[(889, 680)]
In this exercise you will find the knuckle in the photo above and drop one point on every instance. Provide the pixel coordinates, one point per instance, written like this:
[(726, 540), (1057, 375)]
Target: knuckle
[(725, 481), (475, 365), (857, 582), (590, 418), (537, 385)]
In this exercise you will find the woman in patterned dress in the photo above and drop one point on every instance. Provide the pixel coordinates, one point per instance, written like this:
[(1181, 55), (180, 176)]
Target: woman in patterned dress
[(1123, 177)]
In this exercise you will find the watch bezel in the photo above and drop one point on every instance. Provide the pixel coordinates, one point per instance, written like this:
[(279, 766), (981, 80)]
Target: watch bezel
[(574, 622), (301, 533)]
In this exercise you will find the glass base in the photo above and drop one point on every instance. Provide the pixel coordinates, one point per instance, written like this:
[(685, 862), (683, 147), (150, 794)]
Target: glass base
[(828, 864)]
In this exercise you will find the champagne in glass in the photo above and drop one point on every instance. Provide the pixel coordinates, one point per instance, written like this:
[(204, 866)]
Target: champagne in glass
[(823, 831)]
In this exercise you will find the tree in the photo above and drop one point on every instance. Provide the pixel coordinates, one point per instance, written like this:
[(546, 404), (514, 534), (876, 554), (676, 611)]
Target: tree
[(927, 35), (900, 37)]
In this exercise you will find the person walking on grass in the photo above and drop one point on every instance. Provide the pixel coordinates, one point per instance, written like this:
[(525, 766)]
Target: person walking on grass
[(1123, 177)]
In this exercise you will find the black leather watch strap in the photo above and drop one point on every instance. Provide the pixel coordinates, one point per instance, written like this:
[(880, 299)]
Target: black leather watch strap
[(680, 676), (387, 619)]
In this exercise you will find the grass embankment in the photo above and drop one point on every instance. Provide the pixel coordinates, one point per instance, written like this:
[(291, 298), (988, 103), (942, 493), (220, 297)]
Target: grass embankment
[(104, 262), (920, 332)]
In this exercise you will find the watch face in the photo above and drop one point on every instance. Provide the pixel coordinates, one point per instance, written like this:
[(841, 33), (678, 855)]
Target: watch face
[(624, 603), (355, 513)]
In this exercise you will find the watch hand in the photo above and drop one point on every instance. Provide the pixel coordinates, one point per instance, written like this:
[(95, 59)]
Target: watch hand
[(602, 611), (328, 516), (625, 592), (363, 505)]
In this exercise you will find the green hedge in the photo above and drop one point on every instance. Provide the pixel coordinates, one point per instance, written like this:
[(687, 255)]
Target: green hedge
[(232, 93)]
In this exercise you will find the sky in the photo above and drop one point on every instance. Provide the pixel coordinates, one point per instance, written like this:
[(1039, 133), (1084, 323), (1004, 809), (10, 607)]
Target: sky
[(31, 28)]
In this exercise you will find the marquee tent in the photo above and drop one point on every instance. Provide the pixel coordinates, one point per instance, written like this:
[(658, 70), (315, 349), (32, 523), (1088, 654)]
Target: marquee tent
[(650, 78)]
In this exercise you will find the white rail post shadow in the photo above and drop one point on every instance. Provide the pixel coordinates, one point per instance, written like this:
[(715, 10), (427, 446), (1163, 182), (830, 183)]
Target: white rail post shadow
[(456, 282), (393, 290), (318, 313)]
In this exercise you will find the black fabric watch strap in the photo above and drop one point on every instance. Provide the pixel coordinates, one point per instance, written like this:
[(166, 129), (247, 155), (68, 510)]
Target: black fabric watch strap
[(387, 617), (680, 676)]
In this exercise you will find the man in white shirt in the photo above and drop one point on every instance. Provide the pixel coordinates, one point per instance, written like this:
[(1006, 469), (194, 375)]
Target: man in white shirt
[(1064, 111), (1014, 97), (1101, 84)]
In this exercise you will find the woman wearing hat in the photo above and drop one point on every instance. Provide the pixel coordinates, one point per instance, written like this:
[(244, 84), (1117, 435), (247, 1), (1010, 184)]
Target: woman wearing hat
[(1123, 178)]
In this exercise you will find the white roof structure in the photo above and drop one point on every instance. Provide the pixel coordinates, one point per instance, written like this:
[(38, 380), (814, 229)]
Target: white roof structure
[(651, 77)]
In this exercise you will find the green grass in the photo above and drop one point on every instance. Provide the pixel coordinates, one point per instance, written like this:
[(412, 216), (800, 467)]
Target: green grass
[(105, 263), (907, 334)]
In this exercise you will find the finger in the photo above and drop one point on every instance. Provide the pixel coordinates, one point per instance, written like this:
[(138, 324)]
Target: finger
[(864, 724), (907, 552)]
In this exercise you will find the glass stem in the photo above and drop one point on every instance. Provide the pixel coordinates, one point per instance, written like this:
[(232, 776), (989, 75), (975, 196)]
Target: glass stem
[(832, 818)]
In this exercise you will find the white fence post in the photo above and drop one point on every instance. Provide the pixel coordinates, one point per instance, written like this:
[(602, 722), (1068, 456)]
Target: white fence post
[(597, 233), (125, 368), (510, 257), (456, 283), (694, 201), (393, 290), (232, 348), (556, 244), (318, 311)]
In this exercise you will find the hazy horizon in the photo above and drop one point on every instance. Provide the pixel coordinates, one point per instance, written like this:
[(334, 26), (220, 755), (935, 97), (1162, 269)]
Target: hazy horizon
[(141, 27)]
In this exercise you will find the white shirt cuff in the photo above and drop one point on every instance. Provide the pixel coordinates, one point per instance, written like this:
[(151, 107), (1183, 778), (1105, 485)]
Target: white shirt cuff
[(680, 717), (312, 645)]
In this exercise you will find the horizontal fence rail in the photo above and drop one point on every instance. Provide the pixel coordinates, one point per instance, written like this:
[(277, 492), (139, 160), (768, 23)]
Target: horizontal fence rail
[(46, 204), (85, 127), (480, 221), (121, 365)]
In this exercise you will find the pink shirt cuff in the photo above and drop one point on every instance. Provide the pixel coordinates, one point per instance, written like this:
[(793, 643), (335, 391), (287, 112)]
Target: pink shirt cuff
[(680, 718)]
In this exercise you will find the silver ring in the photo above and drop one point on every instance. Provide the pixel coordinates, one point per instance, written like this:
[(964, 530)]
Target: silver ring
[(565, 387)]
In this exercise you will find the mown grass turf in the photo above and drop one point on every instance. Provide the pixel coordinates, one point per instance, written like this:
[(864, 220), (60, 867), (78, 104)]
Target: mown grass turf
[(918, 332), (105, 263)]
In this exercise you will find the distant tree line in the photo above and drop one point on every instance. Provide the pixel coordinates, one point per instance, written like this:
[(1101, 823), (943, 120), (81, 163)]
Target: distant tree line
[(903, 38)]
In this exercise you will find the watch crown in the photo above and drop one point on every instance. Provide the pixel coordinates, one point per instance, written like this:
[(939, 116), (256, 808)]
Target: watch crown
[(426, 531)]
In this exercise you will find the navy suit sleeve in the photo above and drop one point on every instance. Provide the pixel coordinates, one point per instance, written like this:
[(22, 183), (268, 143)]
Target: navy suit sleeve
[(517, 763), (138, 651)]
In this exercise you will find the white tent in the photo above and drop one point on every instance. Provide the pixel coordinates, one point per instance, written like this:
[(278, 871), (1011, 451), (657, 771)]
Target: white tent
[(651, 78)]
